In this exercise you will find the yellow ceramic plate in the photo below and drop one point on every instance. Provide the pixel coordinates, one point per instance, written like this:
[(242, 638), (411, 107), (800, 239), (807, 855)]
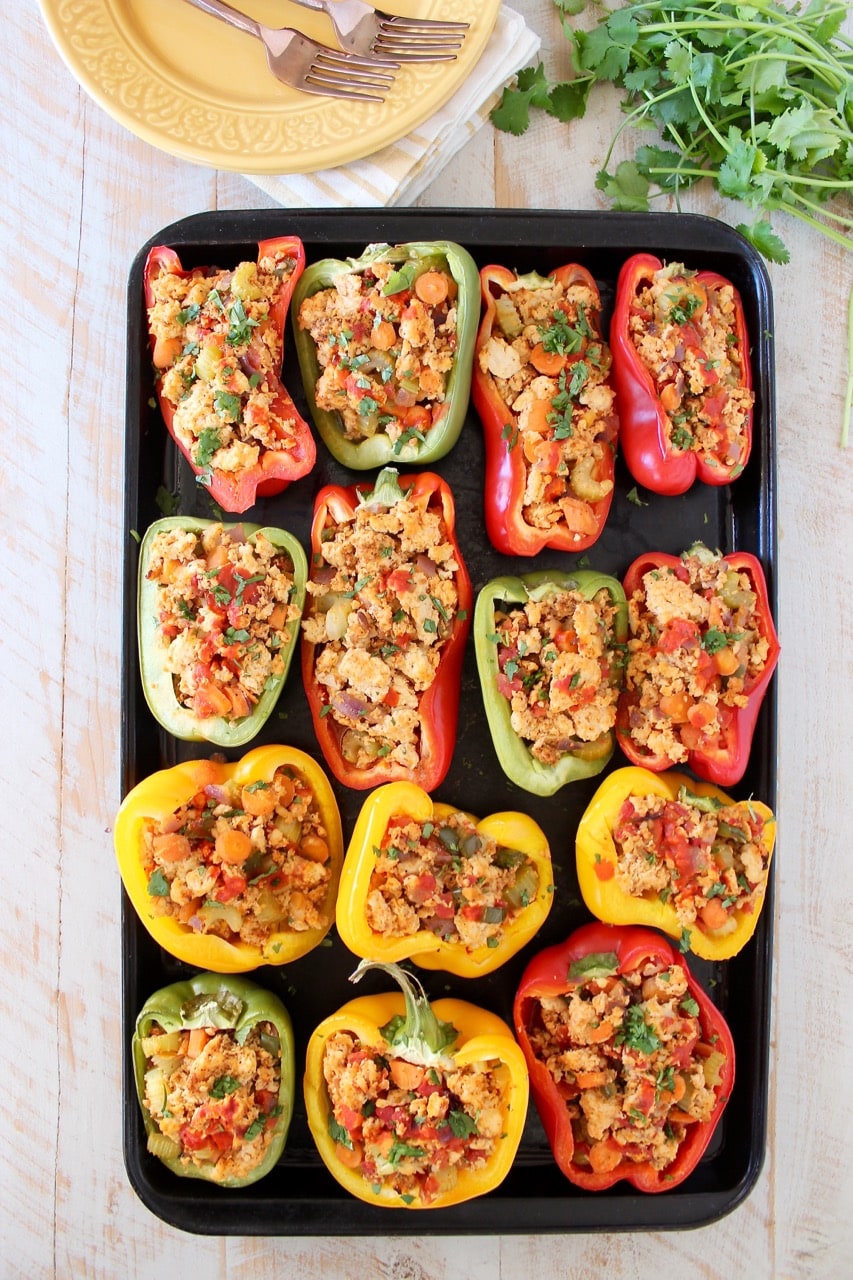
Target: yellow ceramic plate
[(201, 90)]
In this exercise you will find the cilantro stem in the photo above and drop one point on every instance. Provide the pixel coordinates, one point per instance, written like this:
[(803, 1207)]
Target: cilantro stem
[(848, 398)]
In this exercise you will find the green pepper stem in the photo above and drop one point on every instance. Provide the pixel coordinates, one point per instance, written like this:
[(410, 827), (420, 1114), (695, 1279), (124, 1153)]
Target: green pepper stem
[(421, 1035), (386, 492)]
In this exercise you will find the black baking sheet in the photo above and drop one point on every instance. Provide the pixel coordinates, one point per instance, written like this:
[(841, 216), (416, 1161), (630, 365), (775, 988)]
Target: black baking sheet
[(299, 1197)]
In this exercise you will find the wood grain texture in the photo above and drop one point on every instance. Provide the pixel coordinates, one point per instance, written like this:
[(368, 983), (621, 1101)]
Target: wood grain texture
[(80, 196)]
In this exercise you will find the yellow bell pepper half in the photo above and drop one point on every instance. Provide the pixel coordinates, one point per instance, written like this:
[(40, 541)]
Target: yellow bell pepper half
[(374, 1150), (154, 801), (446, 927), (700, 850)]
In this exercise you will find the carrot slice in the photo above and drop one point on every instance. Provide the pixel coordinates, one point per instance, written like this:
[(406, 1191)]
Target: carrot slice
[(432, 288)]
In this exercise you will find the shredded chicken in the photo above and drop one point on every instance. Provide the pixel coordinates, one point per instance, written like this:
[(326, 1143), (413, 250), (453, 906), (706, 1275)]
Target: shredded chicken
[(216, 1098), (685, 333), (412, 1128), (550, 367), (695, 643), (242, 863), (558, 667), (384, 604), (630, 1059), (218, 354), (386, 345)]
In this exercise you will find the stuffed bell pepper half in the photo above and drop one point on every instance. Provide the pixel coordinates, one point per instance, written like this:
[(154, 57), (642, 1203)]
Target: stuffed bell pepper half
[(550, 652), (217, 342), (384, 634), (631, 1065), (663, 850), (541, 387), (701, 655), (423, 880), (681, 369), (213, 1061), (219, 608), (230, 866), (385, 345), (411, 1104)]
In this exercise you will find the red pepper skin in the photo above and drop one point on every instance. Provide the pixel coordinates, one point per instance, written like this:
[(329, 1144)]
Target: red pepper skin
[(438, 709), (642, 418), (506, 474), (726, 764), (237, 491), (547, 975)]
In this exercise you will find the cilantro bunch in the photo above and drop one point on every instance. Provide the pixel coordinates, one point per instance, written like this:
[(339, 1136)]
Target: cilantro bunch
[(757, 97)]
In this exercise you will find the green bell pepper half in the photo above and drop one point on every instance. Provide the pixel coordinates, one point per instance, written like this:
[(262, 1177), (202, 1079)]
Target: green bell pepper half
[(220, 1002), (157, 683), (517, 762), (412, 260)]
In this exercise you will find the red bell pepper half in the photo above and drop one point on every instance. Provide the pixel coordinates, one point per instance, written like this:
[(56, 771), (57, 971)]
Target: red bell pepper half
[(542, 438), (712, 734), (643, 1062), (673, 430), (251, 342), (394, 596)]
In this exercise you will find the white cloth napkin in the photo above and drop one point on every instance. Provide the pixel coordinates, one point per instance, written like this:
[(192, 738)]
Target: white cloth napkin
[(401, 171)]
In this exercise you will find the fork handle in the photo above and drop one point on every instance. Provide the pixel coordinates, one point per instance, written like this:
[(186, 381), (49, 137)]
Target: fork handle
[(345, 17), (218, 9)]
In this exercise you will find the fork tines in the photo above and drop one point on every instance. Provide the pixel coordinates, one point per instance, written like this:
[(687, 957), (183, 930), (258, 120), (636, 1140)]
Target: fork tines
[(412, 40), (351, 76)]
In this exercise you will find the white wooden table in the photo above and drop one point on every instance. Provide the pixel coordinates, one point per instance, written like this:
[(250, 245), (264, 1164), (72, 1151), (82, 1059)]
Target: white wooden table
[(80, 195)]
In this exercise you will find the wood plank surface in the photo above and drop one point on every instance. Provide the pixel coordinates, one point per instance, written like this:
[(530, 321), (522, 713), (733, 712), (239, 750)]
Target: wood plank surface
[(80, 195)]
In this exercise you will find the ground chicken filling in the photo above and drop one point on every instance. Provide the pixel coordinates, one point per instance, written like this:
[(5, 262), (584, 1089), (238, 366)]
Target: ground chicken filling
[(558, 666), (550, 367), (384, 604), (213, 1095), (219, 355), (685, 333), (242, 863), (386, 341), (407, 1128), (628, 1056), (695, 644), (707, 859), (224, 613), (447, 878)]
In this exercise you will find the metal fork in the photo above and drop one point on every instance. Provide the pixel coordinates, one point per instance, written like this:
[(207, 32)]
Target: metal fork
[(362, 29), (306, 64)]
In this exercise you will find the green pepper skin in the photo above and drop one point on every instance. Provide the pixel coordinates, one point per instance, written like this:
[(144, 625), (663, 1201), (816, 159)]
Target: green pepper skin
[(378, 450), (166, 1008), (516, 761), (157, 683)]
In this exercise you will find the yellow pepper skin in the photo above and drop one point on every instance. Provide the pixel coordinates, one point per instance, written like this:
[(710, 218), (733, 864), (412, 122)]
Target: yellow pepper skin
[(158, 796), (482, 1037), (596, 858), (425, 948)]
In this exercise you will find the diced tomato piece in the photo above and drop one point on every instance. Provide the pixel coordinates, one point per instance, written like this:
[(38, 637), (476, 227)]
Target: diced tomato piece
[(422, 889), (229, 888), (678, 634)]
